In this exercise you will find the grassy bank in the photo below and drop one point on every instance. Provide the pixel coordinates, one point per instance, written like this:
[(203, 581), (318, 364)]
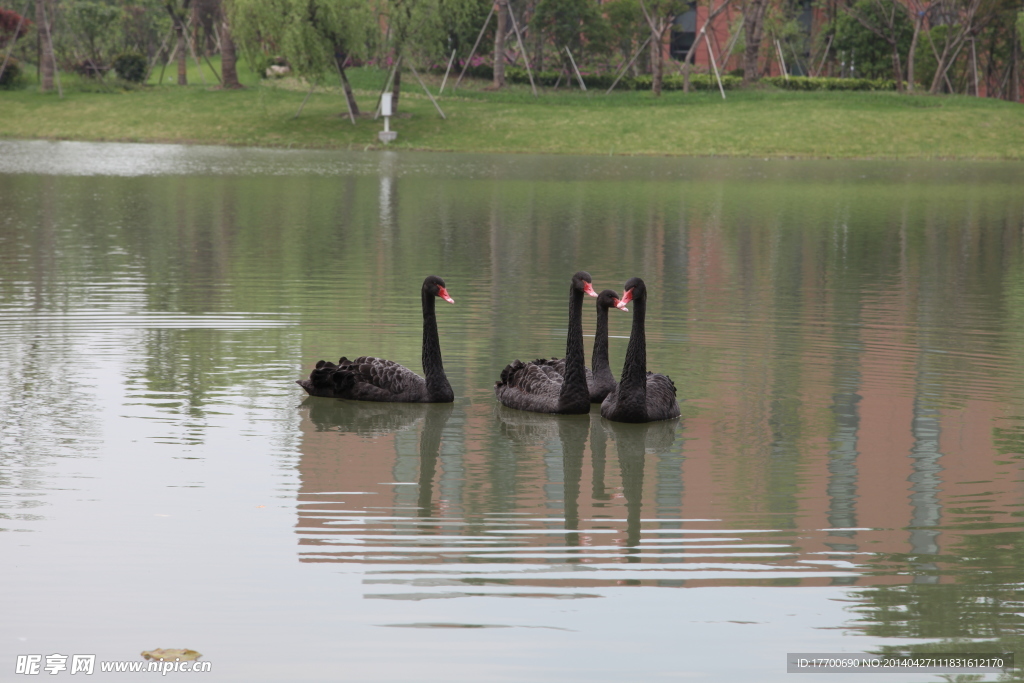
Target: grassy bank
[(755, 123)]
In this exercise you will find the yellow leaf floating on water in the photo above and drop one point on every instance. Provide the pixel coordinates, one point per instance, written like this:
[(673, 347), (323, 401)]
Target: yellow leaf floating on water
[(161, 655)]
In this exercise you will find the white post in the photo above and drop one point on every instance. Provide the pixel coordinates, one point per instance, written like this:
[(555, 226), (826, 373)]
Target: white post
[(386, 135)]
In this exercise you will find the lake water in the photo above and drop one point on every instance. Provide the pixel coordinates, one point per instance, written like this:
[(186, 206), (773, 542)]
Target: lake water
[(847, 475)]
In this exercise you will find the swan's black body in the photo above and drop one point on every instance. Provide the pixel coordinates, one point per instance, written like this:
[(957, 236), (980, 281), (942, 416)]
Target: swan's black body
[(538, 386), (375, 379), (640, 396), (600, 379)]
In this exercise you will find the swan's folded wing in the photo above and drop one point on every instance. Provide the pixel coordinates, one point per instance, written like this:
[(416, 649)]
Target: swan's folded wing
[(554, 368), (661, 397), (528, 386), (381, 373)]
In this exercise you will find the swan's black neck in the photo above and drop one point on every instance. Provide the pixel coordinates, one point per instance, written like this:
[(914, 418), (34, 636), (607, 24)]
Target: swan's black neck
[(438, 388), (599, 356), (634, 371), (574, 397)]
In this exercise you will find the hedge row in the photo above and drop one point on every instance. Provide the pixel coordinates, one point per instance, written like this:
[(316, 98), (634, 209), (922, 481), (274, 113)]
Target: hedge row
[(548, 79), (823, 83), (604, 81)]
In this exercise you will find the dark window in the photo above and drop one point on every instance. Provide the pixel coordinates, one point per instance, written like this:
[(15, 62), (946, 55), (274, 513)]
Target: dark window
[(684, 33)]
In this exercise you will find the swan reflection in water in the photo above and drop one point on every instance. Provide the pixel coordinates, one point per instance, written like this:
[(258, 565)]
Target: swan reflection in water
[(525, 429), (632, 441), (374, 420)]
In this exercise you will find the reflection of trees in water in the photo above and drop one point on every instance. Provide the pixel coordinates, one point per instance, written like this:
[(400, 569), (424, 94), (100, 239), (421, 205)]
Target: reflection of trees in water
[(983, 600)]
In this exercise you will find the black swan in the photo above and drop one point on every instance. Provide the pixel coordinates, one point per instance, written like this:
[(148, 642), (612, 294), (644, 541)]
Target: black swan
[(599, 375), (537, 387), (374, 379), (640, 396)]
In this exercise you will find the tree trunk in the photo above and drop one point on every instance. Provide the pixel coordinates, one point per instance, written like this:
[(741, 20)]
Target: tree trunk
[(182, 52), (499, 44), (897, 68), (46, 65), (396, 88), (912, 52), (351, 98), (229, 68), (1015, 70), (753, 29), (657, 62)]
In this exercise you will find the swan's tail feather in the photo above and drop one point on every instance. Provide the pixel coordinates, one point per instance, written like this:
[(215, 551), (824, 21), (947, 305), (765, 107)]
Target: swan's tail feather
[(509, 372)]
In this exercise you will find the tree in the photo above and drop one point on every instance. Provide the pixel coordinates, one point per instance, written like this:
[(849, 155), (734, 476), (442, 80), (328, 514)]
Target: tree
[(573, 24), (959, 16), (12, 27), (660, 16), (179, 11), (627, 26), (47, 66), (876, 32), (315, 36), (499, 43), (753, 32), (228, 68), (94, 28)]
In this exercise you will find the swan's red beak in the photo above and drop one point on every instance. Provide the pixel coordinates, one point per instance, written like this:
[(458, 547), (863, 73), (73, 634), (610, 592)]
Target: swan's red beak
[(443, 293), (621, 305), (589, 289), (626, 298)]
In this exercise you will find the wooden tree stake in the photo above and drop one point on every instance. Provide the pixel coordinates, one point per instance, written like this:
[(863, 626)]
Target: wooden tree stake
[(475, 46), (424, 86), (583, 86), (526, 57), (628, 64), (451, 60)]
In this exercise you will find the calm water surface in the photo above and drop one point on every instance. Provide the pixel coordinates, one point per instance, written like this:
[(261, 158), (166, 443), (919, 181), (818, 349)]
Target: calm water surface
[(847, 474)]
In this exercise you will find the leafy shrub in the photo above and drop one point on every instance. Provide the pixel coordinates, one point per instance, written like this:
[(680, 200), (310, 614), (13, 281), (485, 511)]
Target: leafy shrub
[(863, 49), (131, 66), (806, 83), (12, 74), (89, 69)]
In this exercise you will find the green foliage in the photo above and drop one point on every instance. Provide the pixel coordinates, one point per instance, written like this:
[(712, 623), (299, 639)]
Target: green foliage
[(698, 82), (308, 33), (763, 122), (869, 53), (144, 25), (806, 84), (926, 63), (602, 81), (93, 26), (131, 66), (11, 77), (575, 24), (627, 25), (460, 21)]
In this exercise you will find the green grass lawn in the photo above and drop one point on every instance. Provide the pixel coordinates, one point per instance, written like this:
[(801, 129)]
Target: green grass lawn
[(752, 123)]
